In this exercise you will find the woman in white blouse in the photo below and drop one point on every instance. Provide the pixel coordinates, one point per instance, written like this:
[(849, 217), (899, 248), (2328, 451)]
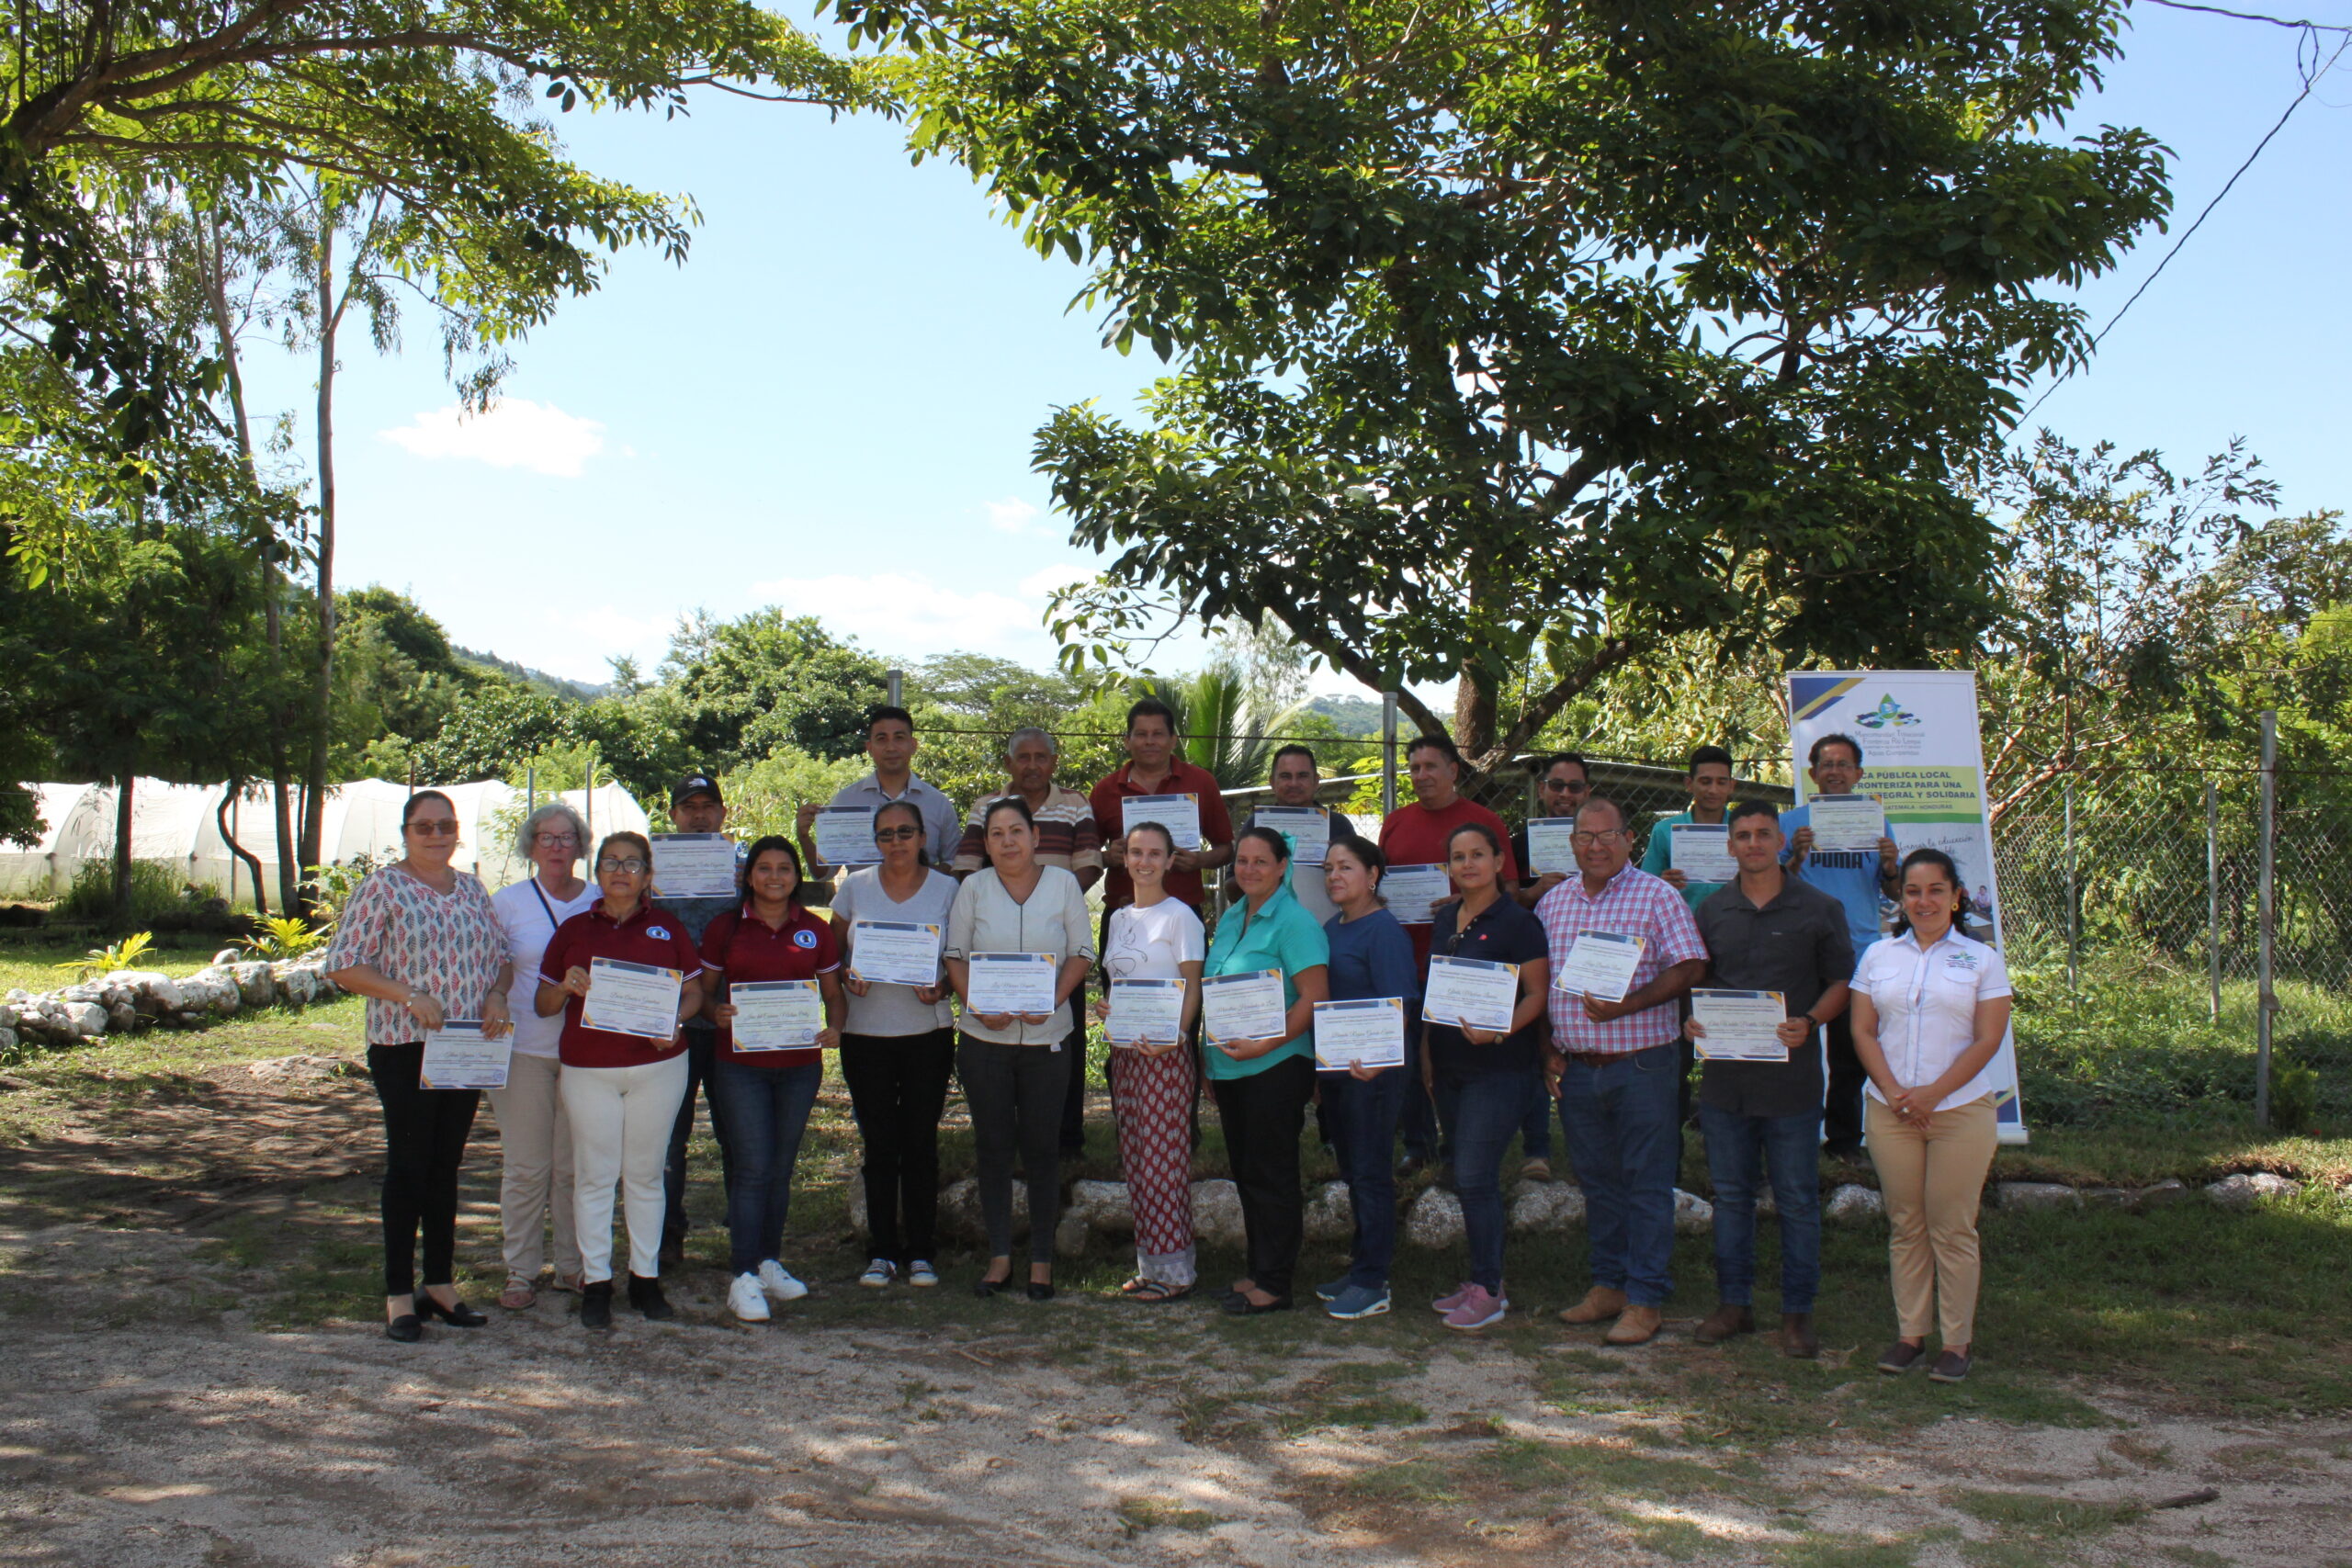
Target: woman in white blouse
[(1931, 1007)]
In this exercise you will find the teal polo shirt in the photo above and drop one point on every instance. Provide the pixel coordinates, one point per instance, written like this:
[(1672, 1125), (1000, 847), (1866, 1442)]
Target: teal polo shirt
[(1658, 855), (1281, 935)]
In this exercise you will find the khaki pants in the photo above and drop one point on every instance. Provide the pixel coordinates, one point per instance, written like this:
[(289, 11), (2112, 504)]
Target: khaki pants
[(1931, 1179), (534, 1178)]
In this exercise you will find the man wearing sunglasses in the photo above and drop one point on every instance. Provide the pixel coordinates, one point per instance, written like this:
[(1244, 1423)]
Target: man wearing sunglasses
[(696, 807), (1563, 784)]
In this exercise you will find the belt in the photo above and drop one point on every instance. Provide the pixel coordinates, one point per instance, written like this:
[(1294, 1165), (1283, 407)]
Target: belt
[(1602, 1058)]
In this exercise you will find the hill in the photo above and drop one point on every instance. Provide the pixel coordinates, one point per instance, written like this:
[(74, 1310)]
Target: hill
[(573, 691)]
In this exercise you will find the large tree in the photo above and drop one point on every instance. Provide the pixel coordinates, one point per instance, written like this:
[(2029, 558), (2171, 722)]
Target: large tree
[(1515, 337)]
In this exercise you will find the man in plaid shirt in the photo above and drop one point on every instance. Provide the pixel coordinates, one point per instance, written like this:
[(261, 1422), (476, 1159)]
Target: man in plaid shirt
[(1614, 1066)]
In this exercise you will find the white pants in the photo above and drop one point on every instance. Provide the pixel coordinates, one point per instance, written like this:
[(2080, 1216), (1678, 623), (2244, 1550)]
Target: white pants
[(535, 1156), (621, 1119)]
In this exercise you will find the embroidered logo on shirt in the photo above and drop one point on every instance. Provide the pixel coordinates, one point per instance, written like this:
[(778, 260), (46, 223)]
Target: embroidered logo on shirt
[(804, 939), (659, 933), (1962, 961)]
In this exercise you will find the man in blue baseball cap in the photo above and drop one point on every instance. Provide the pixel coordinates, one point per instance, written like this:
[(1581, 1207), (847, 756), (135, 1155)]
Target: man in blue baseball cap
[(696, 807)]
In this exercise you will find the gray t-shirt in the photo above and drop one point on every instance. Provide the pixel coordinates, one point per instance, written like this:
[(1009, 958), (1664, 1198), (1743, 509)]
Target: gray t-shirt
[(886, 1009)]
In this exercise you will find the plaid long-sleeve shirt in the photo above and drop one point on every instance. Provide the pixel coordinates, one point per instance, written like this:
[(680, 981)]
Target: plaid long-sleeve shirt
[(1633, 904)]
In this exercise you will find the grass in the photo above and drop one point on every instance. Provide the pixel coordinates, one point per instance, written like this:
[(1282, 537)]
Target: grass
[(1138, 1515), (2041, 1517), (29, 958)]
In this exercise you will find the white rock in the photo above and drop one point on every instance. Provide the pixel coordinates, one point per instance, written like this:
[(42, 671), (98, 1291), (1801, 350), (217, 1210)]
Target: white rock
[(1435, 1219), (226, 956), (856, 1194), (7, 1037), (959, 1210), (2241, 1191), (2171, 1189), (121, 1017), (1853, 1205), (84, 991), (1216, 1212), (299, 986), (1545, 1206), (212, 990), (85, 1019), (255, 989), (1071, 1235), (1330, 1216), (1692, 1213), (2036, 1195), (1104, 1205), (151, 992)]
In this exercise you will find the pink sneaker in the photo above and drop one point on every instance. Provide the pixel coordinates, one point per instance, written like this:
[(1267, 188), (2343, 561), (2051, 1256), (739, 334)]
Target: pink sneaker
[(1474, 1308), (1446, 1304)]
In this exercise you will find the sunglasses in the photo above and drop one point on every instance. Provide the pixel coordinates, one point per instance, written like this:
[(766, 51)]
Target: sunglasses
[(433, 826), (896, 835), (632, 865)]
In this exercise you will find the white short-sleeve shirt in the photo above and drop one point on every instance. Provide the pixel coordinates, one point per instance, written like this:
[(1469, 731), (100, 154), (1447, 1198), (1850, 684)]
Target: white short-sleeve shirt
[(1927, 1006), (1148, 943), (528, 916)]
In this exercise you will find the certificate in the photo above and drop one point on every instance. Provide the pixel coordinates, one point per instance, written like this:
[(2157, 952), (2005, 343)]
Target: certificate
[(1471, 990), (1308, 828), (895, 953), (1367, 1033), (694, 865), (1852, 822), (1011, 982), (1248, 1006), (1179, 814), (459, 1055), (1413, 890), (1548, 846), (1146, 1012), (631, 998), (1742, 1026), (775, 1015), (1700, 853), (1599, 964), (845, 836)]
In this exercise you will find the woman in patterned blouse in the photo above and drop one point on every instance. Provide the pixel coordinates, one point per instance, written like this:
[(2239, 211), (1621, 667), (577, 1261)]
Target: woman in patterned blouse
[(419, 941)]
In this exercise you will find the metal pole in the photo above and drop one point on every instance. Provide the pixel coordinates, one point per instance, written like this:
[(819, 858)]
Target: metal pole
[(897, 681), (530, 789), (589, 847), (1387, 752), (2267, 906), (2073, 902), (2213, 902)]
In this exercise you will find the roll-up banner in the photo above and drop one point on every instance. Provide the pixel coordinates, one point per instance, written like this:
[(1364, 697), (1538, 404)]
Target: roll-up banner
[(1924, 756)]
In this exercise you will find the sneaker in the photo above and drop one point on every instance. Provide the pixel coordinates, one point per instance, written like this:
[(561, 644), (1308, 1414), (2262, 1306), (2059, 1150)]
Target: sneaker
[(1332, 1292), (1536, 1169), (645, 1295), (1453, 1298), (919, 1273), (779, 1283), (1476, 1308), (879, 1271), (596, 1304), (1353, 1302), (746, 1300)]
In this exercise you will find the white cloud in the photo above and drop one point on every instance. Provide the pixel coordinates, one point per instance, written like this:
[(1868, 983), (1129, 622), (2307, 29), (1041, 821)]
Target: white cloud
[(902, 614), (1040, 585), (515, 433), (1012, 515), (578, 643)]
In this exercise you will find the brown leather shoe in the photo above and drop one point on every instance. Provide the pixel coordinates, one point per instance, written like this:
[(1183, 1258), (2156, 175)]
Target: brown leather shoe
[(1899, 1358), (1798, 1340), (1635, 1325), (1725, 1321), (1951, 1366), (1599, 1305)]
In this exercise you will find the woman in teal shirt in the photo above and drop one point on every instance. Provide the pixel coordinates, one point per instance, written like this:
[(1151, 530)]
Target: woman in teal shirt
[(1262, 1086)]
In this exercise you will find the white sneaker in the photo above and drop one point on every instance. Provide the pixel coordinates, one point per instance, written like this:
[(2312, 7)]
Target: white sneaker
[(879, 1272), (779, 1283), (921, 1272), (745, 1299)]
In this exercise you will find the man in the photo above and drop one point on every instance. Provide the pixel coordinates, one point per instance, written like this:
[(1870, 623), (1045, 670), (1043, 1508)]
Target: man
[(1294, 778), (1067, 838), (1709, 781), (1153, 768), (1562, 781), (891, 745), (1768, 931), (1613, 1065), (1857, 880), (1416, 834), (696, 807)]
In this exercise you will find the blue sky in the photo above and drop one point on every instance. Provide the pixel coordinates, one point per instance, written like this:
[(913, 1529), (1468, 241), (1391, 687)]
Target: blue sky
[(829, 407)]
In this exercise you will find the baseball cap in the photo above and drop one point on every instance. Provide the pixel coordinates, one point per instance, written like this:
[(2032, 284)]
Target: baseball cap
[(693, 785)]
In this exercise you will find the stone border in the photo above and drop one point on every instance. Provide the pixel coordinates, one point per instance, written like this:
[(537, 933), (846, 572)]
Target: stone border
[(131, 999)]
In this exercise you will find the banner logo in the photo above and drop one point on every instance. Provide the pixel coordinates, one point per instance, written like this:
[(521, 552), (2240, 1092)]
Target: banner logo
[(1888, 715)]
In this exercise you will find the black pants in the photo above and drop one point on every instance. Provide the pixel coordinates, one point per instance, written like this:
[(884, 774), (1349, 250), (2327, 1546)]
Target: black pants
[(897, 1087), (1841, 1112), (1015, 1095), (701, 1046), (1262, 1115), (424, 1143)]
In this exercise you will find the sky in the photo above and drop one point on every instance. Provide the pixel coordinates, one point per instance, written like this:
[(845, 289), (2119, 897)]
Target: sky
[(829, 407)]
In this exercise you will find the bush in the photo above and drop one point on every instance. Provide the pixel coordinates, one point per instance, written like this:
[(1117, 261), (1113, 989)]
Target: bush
[(157, 892)]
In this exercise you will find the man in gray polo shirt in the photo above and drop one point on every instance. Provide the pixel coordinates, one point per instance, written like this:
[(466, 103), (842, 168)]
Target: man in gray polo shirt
[(1768, 931), (891, 745)]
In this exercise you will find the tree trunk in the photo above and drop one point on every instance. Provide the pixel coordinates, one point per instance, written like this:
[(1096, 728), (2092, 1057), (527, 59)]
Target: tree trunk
[(236, 787), (315, 800), (122, 791)]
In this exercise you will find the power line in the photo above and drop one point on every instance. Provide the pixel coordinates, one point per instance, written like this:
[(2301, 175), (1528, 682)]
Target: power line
[(2252, 16)]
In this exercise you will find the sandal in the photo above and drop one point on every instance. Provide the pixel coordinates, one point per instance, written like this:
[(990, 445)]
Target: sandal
[(1153, 1292), (519, 1293)]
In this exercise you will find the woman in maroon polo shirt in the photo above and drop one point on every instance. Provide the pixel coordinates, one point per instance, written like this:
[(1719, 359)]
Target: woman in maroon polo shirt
[(620, 1091), (761, 1097)]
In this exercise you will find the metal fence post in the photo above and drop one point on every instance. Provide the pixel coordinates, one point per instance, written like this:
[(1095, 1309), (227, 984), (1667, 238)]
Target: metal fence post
[(1387, 752), (2213, 901), (897, 681), (2266, 911), (2074, 900)]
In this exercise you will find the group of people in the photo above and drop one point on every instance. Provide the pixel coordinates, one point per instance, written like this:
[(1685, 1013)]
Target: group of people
[(1887, 1052)]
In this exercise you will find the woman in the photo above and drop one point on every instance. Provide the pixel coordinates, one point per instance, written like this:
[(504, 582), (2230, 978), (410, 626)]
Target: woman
[(418, 939), (760, 1098), (1482, 1075), (533, 1135), (898, 1049), (1931, 1007), (621, 1092), (1157, 938), (1371, 956), (1263, 1085), (1010, 1066)]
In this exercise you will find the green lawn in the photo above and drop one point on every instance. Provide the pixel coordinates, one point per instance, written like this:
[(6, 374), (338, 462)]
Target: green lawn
[(28, 959)]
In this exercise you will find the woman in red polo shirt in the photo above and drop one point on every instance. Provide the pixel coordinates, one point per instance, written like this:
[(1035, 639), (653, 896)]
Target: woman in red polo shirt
[(761, 1097), (621, 1091)]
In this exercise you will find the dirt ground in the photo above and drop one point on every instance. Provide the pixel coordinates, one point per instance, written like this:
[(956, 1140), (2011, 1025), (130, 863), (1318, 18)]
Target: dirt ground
[(189, 1378)]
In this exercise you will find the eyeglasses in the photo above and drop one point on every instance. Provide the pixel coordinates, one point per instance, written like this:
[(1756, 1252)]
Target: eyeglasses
[(435, 827), (555, 840), (632, 865), (893, 835), (1590, 840), (1569, 786)]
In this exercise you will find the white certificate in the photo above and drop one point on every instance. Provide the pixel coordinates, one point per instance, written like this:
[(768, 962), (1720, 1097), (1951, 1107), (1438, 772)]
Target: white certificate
[(1367, 1034), (693, 865), (1548, 846), (1011, 982), (845, 836), (1471, 990), (1179, 814), (1146, 1012), (631, 998), (1248, 1006), (1742, 1026), (775, 1015), (1413, 891), (1599, 964), (895, 953), (1309, 828), (1701, 853), (1854, 822), (459, 1055)]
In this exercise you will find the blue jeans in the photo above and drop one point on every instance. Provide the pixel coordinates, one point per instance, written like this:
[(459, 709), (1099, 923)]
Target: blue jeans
[(1365, 1114), (1487, 1111), (1624, 1138), (1739, 1148), (1534, 1127), (760, 1113), (702, 1049)]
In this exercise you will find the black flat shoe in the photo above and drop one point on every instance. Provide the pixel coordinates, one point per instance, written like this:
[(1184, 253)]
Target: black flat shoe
[(596, 1304), (1239, 1305), (457, 1317), (405, 1328), (645, 1295), (985, 1288), (1041, 1289)]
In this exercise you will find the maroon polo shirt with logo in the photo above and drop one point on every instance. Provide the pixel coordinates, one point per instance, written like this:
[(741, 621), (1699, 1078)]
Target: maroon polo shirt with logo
[(739, 945), (652, 935)]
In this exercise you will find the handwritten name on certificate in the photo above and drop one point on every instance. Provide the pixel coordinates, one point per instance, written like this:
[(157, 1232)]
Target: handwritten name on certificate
[(1369, 1032), (895, 953), (845, 836), (1475, 991), (1414, 892), (459, 1055), (693, 865), (1146, 1012), (1701, 852), (775, 1015), (1179, 814), (1549, 849), (1599, 963), (1741, 1026), (1849, 822), (1248, 1006), (1308, 828), (1011, 983), (631, 998)]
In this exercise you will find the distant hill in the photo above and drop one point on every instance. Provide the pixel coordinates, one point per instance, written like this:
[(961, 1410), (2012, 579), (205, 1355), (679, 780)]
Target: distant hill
[(1354, 715), (574, 691)]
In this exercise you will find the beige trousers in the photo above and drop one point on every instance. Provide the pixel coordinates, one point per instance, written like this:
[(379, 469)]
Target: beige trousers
[(1931, 1179), (535, 1181)]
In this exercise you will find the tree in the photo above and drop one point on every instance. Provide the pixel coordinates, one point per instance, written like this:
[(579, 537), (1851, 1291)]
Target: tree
[(1507, 330), (733, 691)]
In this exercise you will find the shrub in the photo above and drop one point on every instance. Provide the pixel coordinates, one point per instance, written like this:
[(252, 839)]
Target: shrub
[(286, 936), (157, 890), (124, 954)]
